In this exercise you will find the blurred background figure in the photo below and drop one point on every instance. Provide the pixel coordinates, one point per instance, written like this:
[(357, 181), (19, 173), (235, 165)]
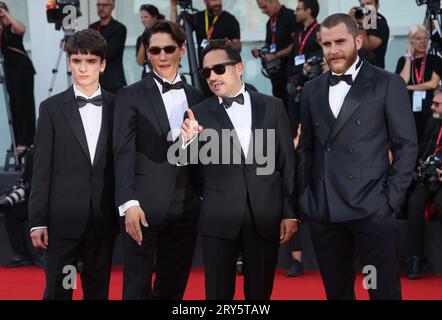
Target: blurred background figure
[(149, 15), (19, 74)]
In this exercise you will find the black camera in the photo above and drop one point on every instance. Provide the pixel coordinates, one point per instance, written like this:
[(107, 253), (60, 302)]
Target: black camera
[(315, 62), (431, 4), (359, 13), (55, 8), (185, 3), (14, 196), (270, 69), (428, 171)]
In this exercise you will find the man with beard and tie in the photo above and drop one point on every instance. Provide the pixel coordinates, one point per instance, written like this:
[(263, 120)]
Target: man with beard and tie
[(243, 208), (156, 198), (351, 116), (71, 207)]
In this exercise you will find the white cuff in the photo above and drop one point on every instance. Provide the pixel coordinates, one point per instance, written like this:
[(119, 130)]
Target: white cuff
[(126, 206), (37, 228)]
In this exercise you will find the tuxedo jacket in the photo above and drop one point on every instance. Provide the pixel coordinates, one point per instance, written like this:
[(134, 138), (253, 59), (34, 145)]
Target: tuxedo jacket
[(67, 188), (227, 188), (142, 169), (115, 34), (344, 172)]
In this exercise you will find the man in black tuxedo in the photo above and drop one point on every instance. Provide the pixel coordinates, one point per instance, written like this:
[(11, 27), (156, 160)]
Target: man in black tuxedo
[(71, 207), (157, 198), (244, 207), (112, 79), (351, 117)]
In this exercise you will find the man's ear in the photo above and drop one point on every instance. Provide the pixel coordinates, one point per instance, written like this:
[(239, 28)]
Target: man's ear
[(359, 40), (103, 65)]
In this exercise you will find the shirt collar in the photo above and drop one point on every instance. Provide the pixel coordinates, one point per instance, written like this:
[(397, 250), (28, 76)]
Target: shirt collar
[(242, 90), (78, 93)]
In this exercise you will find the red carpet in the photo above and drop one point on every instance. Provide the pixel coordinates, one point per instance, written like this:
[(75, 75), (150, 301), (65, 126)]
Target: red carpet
[(28, 284)]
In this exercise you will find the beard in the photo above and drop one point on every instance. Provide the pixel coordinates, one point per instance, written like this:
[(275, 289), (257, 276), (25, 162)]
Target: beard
[(215, 10), (349, 60)]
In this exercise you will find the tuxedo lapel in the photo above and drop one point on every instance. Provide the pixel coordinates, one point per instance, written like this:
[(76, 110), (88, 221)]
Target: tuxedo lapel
[(102, 139), (327, 112), (258, 114), (70, 109), (156, 101), (361, 86)]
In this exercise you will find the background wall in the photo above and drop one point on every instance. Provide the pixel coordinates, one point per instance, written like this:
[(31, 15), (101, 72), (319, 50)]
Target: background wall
[(42, 41)]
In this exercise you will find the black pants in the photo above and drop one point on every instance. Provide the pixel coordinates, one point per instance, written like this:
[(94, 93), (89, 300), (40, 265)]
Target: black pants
[(296, 240), (419, 199), (96, 255), (279, 89), (260, 256), (172, 244), (17, 227), (375, 239)]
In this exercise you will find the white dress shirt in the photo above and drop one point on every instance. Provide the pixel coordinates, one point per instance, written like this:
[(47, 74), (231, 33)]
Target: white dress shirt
[(91, 117), (241, 118), (175, 102), (338, 92)]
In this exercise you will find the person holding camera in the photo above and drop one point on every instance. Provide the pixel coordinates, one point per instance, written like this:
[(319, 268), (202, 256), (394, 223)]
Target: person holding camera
[(376, 34), (149, 15), (19, 74), (72, 212), (427, 189), (420, 72), (280, 29), (113, 78)]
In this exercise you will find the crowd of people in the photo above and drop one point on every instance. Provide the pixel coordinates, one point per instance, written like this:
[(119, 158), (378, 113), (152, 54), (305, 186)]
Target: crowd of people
[(355, 146)]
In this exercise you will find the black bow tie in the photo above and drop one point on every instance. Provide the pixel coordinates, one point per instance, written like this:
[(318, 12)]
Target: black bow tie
[(227, 102), (169, 86), (97, 101), (335, 79)]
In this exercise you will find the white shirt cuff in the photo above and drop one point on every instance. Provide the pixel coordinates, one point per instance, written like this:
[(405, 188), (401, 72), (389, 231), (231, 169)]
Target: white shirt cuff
[(37, 228), (126, 206)]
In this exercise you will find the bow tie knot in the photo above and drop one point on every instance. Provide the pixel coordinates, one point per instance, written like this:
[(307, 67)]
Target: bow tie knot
[(227, 102), (96, 101), (335, 79), (169, 86)]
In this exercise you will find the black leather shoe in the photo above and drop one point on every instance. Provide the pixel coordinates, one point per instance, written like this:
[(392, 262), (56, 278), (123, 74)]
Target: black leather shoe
[(416, 266), (296, 270), (17, 261)]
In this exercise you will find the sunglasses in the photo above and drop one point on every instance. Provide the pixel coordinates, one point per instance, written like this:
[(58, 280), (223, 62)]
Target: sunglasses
[(157, 50), (219, 69)]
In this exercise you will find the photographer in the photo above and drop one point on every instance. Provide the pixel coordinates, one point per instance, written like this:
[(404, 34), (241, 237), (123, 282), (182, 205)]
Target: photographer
[(149, 15), (375, 38), (19, 74), (306, 52), (280, 29), (427, 189), (14, 205)]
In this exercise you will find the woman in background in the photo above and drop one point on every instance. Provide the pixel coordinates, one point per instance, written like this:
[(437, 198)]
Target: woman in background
[(149, 15), (19, 74)]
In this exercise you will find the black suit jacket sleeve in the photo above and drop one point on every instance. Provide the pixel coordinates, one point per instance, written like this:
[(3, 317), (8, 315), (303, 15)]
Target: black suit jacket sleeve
[(306, 146), (124, 135), (286, 163), (43, 144), (116, 43), (402, 138)]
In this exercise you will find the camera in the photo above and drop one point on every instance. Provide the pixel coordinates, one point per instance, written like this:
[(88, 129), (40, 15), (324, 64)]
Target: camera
[(270, 69), (431, 4), (13, 197), (185, 3), (315, 62), (54, 11), (428, 171), (359, 13)]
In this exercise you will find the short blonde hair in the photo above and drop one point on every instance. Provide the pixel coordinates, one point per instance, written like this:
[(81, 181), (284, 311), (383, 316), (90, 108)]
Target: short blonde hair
[(416, 28)]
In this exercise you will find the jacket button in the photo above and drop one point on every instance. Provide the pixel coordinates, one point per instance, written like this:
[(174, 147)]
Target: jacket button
[(358, 122), (350, 150), (351, 178), (328, 149), (316, 125)]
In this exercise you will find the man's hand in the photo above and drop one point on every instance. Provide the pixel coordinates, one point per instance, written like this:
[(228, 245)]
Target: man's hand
[(190, 127), (134, 216), (40, 238), (255, 52), (439, 173), (287, 228)]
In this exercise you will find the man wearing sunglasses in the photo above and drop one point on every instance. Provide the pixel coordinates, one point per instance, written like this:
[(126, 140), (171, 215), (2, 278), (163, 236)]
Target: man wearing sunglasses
[(112, 79), (241, 209), (156, 198)]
